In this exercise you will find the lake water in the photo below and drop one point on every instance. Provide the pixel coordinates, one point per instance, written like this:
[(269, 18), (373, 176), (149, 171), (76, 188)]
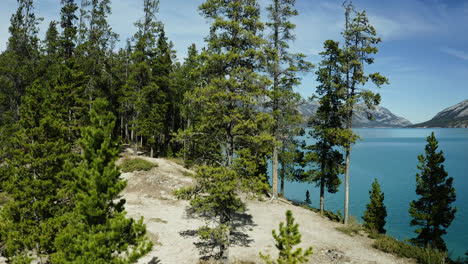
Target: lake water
[(390, 155)]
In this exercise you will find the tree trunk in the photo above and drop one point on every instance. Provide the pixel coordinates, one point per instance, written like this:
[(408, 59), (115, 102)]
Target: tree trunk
[(275, 173), (346, 199), (229, 150), (322, 195), (135, 151), (122, 127), (152, 148), (282, 186)]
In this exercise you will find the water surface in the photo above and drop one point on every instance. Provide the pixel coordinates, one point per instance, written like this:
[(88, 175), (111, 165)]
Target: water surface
[(390, 155)]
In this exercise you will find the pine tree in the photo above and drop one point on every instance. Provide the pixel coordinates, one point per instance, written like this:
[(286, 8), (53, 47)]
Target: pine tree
[(283, 99), (70, 31), (97, 230), (189, 77), (20, 60), (374, 216), (35, 179), (327, 124), (162, 70), (215, 198), (286, 239), (95, 42), (231, 62), (307, 199), (360, 40), (432, 213)]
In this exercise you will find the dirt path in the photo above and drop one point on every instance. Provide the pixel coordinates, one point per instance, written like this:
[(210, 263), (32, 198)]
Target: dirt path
[(149, 194)]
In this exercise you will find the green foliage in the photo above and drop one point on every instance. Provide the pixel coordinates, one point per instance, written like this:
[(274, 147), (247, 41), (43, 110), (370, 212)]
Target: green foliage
[(3, 198), (97, 230), (283, 68), (136, 164), (335, 217), (228, 126), (288, 237), (214, 198), (360, 44), (307, 199), (402, 249), (352, 228), (35, 178), (432, 212), (374, 216), (328, 131)]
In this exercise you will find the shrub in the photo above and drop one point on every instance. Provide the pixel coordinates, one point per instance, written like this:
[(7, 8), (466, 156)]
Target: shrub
[(3, 198), (422, 255), (136, 164), (352, 228)]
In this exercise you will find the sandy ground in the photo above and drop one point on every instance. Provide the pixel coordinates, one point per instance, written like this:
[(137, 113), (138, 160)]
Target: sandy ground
[(149, 194), (173, 232)]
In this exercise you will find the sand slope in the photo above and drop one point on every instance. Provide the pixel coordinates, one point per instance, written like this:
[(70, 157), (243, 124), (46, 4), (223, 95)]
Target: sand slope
[(149, 194)]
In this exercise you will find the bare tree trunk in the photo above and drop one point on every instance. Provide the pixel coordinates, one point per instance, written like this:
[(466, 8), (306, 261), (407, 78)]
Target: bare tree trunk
[(346, 201), (275, 103), (275, 173), (152, 148), (322, 195), (135, 151), (122, 127), (281, 186), (126, 132)]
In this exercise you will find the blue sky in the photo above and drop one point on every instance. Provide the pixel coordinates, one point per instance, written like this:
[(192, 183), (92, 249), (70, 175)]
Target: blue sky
[(424, 52)]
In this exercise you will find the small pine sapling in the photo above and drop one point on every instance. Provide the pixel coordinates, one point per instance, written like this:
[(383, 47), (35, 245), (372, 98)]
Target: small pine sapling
[(374, 216), (288, 237), (307, 199)]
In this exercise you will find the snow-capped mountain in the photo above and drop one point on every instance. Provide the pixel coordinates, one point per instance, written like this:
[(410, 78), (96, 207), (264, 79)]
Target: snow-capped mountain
[(454, 116), (382, 116)]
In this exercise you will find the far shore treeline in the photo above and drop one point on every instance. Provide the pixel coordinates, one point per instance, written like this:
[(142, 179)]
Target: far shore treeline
[(70, 101)]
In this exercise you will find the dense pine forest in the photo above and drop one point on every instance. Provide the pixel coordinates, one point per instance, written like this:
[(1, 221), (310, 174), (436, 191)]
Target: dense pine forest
[(70, 102)]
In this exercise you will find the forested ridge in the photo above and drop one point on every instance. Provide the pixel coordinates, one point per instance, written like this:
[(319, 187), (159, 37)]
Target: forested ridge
[(70, 101)]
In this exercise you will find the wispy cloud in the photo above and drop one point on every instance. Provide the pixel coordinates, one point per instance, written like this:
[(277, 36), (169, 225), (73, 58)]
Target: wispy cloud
[(457, 53)]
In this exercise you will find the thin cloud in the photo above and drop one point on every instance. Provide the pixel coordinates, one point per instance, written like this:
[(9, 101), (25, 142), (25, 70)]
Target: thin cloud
[(457, 53)]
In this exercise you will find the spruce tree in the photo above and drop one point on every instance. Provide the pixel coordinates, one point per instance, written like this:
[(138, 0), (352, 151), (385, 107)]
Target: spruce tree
[(166, 107), (374, 216), (360, 40), (142, 91), (35, 178), (214, 197), (432, 213), (231, 62), (67, 22), (286, 239), (283, 67), (324, 157), (97, 230), (19, 62), (95, 42)]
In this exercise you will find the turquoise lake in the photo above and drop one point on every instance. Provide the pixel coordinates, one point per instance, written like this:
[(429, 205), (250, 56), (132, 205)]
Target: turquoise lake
[(390, 155)]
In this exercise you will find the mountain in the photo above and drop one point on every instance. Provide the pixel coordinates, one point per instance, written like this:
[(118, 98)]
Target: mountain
[(382, 116), (454, 116)]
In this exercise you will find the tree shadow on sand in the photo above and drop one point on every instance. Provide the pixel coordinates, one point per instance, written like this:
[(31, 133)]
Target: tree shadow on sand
[(155, 260), (240, 224)]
